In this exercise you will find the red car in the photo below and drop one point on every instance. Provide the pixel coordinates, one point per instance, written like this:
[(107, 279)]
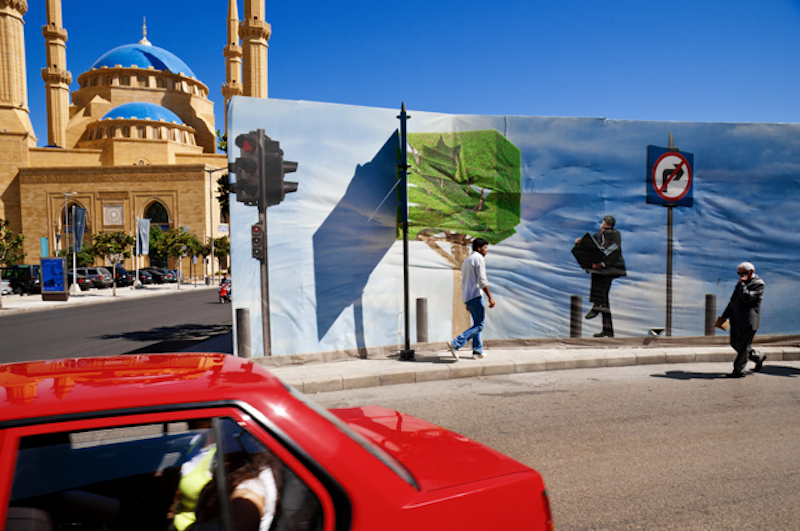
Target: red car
[(156, 441)]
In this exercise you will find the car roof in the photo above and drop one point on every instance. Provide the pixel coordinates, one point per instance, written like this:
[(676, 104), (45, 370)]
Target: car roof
[(85, 385)]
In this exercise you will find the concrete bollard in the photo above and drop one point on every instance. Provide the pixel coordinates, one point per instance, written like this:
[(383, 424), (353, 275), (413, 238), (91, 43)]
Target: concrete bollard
[(243, 349), (711, 314), (575, 315), (422, 320)]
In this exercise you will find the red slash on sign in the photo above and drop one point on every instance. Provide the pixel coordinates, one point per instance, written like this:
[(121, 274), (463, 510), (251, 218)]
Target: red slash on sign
[(667, 177)]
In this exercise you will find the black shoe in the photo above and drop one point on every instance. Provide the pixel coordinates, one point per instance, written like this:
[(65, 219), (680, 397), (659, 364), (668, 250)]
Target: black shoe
[(760, 363), (604, 334), (735, 374), (594, 312)]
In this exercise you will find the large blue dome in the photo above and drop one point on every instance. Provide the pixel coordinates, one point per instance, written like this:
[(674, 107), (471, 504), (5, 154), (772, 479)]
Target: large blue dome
[(143, 56), (138, 110)]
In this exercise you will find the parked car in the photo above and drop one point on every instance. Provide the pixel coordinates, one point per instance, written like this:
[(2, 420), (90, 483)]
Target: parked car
[(85, 283), (5, 287), (23, 278), (169, 273), (112, 437), (144, 276), (101, 277), (123, 277), (159, 276)]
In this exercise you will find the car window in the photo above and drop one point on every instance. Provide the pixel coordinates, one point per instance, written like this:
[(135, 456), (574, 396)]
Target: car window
[(167, 476)]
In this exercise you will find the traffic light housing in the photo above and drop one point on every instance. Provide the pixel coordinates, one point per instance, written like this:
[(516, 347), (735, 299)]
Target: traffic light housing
[(258, 240), (249, 168), (276, 169)]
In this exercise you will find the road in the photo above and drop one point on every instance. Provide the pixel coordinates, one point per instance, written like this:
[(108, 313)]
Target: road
[(644, 447), (165, 323)]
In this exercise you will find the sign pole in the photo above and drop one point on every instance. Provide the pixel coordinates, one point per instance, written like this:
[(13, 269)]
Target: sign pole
[(669, 271), (406, 354)]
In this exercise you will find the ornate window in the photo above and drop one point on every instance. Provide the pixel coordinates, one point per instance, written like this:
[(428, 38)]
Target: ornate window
[(126, 80), (160, 82), (158, 215)]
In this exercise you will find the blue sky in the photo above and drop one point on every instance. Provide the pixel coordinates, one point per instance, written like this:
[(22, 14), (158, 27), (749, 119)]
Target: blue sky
[(681, 60)]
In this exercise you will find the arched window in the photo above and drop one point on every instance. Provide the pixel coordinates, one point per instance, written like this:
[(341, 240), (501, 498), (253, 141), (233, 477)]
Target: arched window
[(126, 131), (158, 215), (109, 80), (142, 131), (96, 81), (112, 132), (126, 80), (160, 82), (142, 81), (157, 133), (176, 85)]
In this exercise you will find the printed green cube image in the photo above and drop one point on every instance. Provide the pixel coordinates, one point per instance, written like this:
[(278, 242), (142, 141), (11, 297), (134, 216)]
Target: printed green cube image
[(464, 183)]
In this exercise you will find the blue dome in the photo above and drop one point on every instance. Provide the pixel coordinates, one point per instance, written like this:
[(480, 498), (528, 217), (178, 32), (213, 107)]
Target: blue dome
[(143, 56), (142, 111)]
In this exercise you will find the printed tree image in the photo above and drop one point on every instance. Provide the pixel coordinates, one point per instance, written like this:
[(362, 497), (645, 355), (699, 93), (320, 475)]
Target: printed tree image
[(462, 186)]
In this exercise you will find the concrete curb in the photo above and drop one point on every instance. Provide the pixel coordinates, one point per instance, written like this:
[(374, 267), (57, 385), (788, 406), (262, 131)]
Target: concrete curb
[(342, 376)]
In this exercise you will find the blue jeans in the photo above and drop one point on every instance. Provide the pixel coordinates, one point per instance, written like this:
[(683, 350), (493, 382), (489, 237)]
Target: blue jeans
[(478, 312)]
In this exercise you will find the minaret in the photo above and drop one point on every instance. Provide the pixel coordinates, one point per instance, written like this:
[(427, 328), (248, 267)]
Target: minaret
[(233, 60), (56, 77), (255, 33), (14, 112)]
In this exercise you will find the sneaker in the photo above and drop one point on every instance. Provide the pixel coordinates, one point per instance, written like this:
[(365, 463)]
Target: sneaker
[(760, 363), (478, 355), (452, 350)]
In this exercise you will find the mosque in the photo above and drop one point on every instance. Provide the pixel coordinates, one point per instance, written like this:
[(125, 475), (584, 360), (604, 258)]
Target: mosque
[(137, 141)]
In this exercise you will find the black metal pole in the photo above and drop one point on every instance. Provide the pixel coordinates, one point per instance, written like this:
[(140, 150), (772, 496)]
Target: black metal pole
[(669, 271), (407, 354)]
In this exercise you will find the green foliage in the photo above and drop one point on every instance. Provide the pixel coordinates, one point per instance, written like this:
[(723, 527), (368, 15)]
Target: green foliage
[(84, 257), (222, 141), (158, 246), (222, 247), (179, 243), (464, 183), (224, 197), (10, 245), (114, 246)]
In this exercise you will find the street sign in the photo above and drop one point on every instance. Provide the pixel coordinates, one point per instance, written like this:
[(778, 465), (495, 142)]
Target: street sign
[(669, 177)]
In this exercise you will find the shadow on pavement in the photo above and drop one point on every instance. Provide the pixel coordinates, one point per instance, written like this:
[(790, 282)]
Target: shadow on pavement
[(772, 370), (171, 338)]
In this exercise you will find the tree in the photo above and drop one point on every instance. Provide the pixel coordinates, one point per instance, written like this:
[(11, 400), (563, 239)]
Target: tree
[(158, 247), (84, 257), (114, 247), (222, 248), (178, 243), (462, 186), (10, 248)]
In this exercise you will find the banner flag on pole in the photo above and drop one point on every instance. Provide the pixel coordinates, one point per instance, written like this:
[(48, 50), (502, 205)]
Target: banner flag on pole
[(143, 235), (78, 228)]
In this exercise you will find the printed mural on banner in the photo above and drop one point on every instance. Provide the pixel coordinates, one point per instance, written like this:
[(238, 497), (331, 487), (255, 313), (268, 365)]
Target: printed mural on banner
[(530, 186)]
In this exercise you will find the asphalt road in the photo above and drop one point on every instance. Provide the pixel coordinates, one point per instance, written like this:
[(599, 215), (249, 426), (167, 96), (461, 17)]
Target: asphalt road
[(165, 323), (645, 447)]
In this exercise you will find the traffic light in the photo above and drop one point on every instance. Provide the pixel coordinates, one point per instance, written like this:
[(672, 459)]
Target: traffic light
[(276, 169), (249, 168), (257, 239)]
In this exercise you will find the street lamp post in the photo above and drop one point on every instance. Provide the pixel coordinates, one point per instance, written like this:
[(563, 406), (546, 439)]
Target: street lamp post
[(211, 215), (66, 239)]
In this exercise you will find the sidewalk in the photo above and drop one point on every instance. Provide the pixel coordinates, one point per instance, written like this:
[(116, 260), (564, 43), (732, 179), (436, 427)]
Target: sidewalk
[(15, 304), (357, 373)]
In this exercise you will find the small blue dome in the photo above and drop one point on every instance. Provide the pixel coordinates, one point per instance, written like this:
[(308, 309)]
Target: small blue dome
[(143, 56), (142, 111)]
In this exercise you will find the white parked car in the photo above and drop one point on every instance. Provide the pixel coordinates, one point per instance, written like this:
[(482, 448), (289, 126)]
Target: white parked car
[(6, 287)]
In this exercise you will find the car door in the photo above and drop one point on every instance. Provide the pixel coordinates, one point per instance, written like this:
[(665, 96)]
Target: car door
[(161, 470)]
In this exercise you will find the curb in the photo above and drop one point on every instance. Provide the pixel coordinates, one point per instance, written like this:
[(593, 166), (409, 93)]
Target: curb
[(360, 374)]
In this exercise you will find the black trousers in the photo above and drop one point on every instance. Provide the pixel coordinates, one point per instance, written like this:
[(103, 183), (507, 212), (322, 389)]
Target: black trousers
[(741, 341), (598, 295)]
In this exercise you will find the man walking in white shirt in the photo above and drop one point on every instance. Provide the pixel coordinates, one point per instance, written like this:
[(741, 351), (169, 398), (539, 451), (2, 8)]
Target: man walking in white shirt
[(473, 280)]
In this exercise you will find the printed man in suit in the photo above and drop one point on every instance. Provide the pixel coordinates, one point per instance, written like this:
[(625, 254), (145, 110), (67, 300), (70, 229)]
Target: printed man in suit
[(602, 273)]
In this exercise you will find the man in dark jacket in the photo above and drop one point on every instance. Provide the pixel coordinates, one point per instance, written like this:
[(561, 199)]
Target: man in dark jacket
[(744, 313), (602, 273)]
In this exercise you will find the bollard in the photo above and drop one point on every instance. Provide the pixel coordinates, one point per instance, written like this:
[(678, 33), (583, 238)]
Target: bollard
[(243, 333), (575, 312), (422, 320), (711, 314)]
